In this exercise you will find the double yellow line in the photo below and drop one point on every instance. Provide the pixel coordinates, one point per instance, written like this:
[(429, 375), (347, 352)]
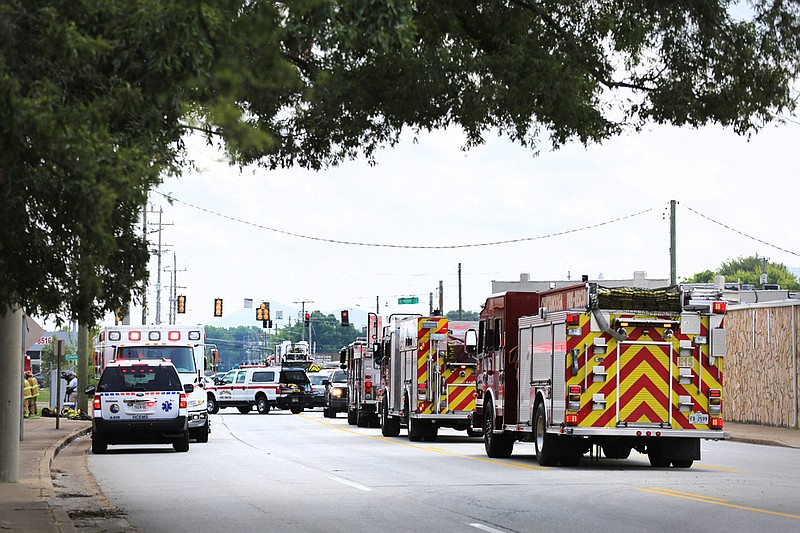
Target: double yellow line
[(715, 501), (392, 440)]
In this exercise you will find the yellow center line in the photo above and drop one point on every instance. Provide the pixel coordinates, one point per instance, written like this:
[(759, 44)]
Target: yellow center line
[(392, 440), (715, 501)]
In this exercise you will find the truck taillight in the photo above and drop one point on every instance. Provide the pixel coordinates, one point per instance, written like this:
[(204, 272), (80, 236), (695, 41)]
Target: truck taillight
[(573, 319), (719, 308), (422, 392), (715, 402), (183, 403), (571, 419), (716, 423), (96, 402), (368, 384), (574, 399)]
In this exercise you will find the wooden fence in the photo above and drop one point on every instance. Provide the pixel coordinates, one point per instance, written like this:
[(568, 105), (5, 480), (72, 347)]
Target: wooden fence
[(761, 374)]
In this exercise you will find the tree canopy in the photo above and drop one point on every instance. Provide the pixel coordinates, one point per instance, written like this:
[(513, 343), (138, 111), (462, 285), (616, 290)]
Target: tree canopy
[(96, 97), (748, 270)]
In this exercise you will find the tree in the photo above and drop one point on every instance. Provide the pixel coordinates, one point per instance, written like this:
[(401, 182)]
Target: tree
[(465, 315), (748, 270), (96, 97)]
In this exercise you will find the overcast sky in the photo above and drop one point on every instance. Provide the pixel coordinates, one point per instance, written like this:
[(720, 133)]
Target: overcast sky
[(431, 193)]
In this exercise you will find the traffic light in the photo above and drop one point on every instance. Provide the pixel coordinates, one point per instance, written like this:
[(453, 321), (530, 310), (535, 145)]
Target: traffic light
[(217, 306), (307, 319), (182, 304), (262, 312), (345, 317)]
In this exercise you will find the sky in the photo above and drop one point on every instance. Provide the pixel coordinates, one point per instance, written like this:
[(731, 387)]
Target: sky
[(601, 210)]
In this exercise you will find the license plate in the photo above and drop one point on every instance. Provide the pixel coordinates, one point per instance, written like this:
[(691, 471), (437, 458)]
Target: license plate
[(294, 400), (698, 418), (140, 407)]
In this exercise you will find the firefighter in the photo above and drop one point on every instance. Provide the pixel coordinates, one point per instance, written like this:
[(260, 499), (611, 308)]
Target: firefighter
[(31, 389)]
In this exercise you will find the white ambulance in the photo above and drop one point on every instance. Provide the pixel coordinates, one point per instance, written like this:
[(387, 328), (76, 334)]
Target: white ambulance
[(181, 345)]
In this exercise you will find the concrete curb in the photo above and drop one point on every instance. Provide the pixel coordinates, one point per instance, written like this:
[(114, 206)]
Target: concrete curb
[(62, 520)]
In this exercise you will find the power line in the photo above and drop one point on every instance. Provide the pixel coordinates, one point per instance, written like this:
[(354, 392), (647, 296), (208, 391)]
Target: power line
[(740, 232), (405, 246)]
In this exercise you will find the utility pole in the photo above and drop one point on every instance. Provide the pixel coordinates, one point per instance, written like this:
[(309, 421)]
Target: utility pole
[(441, 298), (303, 316), (158, 275), (144, 292), (460, 310), (673, 272), (173, 296)]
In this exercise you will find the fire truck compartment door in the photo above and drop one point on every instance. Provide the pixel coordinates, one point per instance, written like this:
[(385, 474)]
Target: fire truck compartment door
[(643, 383)]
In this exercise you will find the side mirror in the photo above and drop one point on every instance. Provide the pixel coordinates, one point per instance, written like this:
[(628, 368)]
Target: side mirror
[(89, 390), (188, 388), (326, 382), (471, 341)]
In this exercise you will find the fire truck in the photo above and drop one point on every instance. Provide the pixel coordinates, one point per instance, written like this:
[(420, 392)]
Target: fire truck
[(182, 345), (425, 386), (362, 383), (588, 368), (363, 376)]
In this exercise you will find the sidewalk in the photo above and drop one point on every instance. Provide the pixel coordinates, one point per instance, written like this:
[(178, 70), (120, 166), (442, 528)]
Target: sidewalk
[(30, 505)]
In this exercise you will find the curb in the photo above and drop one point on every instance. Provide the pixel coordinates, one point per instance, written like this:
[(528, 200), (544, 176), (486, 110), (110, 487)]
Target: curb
[(62, 520)]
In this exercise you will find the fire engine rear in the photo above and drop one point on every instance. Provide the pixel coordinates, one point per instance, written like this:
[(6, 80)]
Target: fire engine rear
[(613, 368), (425, 385)]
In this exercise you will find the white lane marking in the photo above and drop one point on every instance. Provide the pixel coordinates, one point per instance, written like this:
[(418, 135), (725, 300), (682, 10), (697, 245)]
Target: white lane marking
[(350, 483), (484, 527)]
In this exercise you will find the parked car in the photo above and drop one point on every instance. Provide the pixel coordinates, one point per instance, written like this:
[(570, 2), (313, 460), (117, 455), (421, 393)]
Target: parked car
[(335, 394), (262, 387)]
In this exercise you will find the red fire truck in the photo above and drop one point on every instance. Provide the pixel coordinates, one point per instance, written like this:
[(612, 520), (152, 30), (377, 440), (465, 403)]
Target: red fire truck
[(585, 368), (425, 385)]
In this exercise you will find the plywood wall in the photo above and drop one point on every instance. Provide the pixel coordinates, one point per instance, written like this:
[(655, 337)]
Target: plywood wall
[(760, 374)]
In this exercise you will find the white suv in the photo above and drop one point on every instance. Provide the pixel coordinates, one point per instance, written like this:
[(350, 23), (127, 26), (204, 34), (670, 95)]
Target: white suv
[(139, 402), (263, 387)]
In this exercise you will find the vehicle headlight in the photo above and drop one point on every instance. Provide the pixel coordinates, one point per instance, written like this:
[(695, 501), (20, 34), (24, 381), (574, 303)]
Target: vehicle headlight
[(337, 392)]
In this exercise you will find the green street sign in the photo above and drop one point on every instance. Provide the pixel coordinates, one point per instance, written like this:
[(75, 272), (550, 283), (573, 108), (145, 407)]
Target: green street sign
[(72, 357), (410, 300)]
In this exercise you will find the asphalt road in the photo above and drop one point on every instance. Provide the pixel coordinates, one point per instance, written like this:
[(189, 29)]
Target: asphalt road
[(284, 472)]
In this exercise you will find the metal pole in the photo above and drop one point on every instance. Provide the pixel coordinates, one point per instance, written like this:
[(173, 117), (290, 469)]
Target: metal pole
[(158, 276), (441, 298), (460, 308), (673, 272), (144, 293), (10, 392)]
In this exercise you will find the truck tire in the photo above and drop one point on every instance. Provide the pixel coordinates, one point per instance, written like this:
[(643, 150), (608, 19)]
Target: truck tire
[(182, 444), (201, 434), (682, 463), (262, 404), (390, 426), (362, 420), (99, 444), (212, 406), (498, 446), (296, 410), (430, 432), (415, 430), (543, 441), (351, 417), (244, 409), (655, 454)]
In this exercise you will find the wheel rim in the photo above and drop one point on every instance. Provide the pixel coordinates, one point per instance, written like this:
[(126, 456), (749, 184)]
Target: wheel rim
[(539, 432)]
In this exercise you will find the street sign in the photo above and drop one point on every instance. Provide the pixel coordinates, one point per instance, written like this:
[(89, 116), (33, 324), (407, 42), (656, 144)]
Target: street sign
[(409, 300), (72, 357)]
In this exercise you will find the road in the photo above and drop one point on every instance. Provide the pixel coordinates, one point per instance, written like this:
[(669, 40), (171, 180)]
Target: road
[(284, 472)]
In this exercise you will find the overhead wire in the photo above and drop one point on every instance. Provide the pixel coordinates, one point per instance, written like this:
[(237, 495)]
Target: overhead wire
[(698, 213), (171, 198)]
